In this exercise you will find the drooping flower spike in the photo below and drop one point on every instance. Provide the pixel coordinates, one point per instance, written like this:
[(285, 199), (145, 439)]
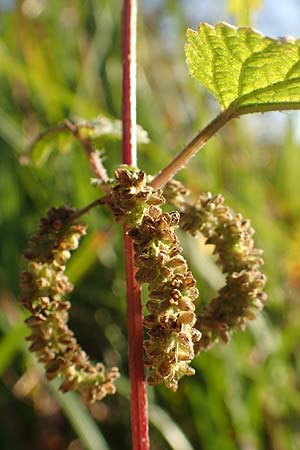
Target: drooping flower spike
[(232, 235), (175, 334), (43, 289), (172, 292)]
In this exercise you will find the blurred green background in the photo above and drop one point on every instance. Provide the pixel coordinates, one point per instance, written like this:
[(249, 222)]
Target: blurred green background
[(61, 59)]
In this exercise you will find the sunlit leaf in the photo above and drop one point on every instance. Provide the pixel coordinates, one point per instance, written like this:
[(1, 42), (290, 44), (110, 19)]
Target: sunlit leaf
[(245, 71)]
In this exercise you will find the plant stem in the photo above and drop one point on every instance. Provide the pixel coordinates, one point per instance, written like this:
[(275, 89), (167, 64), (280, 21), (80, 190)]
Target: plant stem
[(92, 154), (139, 410), (190, 150), (86, 209), (129, 150)]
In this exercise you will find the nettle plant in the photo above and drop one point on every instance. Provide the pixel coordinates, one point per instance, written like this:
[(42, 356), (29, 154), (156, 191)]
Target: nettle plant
[(246, 73)]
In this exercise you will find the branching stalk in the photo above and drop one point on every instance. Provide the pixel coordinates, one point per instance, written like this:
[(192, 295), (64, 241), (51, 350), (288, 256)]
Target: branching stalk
[(190, 150), (86, 209)]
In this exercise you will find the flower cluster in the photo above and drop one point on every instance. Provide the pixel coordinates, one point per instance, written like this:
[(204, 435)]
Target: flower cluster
[(174, 332), (43, 289), (172, 292), (232, 237)]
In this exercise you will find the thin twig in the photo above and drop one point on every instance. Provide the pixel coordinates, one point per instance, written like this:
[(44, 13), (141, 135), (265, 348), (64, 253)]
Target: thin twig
[(93, 155), (87, 208), (190, 150)]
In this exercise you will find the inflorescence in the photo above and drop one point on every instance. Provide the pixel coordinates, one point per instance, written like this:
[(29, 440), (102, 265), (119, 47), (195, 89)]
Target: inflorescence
[(232, 236), (175, 334), (172, 292), (43, 289)]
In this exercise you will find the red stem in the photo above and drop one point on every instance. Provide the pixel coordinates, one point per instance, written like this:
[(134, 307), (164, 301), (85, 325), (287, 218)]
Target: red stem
[(139, 410), (138, 396), (129, 83)]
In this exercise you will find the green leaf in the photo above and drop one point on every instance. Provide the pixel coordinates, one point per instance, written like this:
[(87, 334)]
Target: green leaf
[(58, 142), (61, 139), (103, 126), (245, 71)]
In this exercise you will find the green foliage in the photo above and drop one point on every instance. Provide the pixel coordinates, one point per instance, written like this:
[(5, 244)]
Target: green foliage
[(98, 131), (245, 71)]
